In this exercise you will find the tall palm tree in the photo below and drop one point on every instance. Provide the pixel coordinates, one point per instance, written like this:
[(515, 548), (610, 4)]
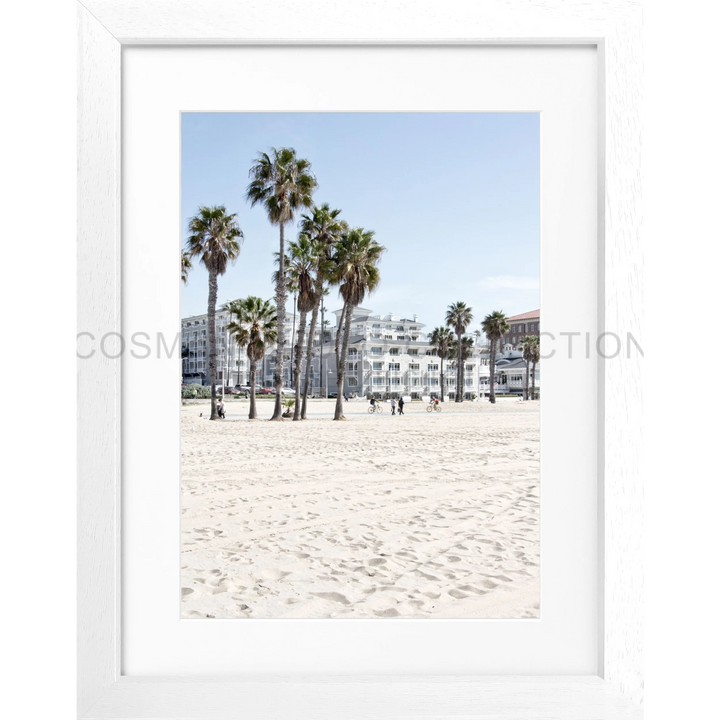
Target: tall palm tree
[(302, 261), (282, 183), (440, 339), (495, 325), (458, 317), (357, 274), (254, 328), (215, 238), (185, 266), (324, 229)]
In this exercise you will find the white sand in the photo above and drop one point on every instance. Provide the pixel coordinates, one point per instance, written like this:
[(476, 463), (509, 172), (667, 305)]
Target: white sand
[(427, 515)]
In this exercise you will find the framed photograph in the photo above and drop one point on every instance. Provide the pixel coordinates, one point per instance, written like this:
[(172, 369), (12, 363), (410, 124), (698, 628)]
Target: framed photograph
[(338, 465)]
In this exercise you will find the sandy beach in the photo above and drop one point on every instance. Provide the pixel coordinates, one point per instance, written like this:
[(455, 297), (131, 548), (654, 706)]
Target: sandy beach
[(430, 515)]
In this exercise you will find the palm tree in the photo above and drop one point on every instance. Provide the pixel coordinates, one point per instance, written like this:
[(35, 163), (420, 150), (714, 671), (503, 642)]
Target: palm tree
[(495, 325), (440, 339), (324, 229), (458, 317), (215, 238), (255, 328), (282, 183), (357, 274), (185, 266), (301, 264)]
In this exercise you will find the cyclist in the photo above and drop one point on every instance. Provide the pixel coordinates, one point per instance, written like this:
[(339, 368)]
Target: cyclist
[(372, 401)]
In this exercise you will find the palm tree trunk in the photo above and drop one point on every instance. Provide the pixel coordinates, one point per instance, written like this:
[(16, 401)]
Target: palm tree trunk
[(527, 378), (338, 335), (311, 336), (341, 365), (533, 379), (442, 379), (493, 342), (212, 350), (280, 300), (292, 342), (253, 409), (298, 363), (458, 374)]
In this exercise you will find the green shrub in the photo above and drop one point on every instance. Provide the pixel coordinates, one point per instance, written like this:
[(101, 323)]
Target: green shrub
[(204, 392)]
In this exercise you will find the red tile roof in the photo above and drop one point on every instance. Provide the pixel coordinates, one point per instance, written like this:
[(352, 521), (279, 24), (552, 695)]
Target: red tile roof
[(525, 316)]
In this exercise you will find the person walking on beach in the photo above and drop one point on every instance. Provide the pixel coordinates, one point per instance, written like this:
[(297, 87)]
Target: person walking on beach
[(194, 393), (221, 408), (401, 405), (392, 406)]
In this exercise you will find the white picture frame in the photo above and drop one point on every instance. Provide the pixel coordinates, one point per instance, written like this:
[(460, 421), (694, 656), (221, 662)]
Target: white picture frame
[(104, 26)]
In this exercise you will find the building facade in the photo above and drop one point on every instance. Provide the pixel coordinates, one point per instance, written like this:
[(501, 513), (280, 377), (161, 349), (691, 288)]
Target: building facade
[(233, 367), (388, 356), (521, 325)]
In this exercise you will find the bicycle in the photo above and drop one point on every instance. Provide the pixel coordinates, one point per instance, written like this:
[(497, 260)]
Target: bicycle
[(375, 409), (434, 406)]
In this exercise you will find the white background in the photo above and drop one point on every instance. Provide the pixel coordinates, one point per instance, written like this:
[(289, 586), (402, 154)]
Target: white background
[(558, 82)]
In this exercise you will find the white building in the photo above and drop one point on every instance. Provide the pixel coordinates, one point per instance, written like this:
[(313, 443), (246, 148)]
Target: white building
[(391, 356), (233, 367), (387, 356)]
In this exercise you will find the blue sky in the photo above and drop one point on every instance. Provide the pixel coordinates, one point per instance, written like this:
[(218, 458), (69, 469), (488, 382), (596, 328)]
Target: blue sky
[(454, 197)]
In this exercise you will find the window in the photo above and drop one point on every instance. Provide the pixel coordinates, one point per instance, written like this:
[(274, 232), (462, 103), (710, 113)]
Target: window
[(468, 382), (516, 378), (532, 327), (352, 382), (352, 351), (352, 367), (376, 325), (414, 366), (376, 336), (433, 367), (413, 351), (376, 351), (395, 381), (395, 367), (377, 366), (431, 352), (378, 381), (451, 382), (413, 327), (434, 381), (513, 340), (415, 381), (400, 337), (394, 351), (513, 328), (469, 368), (388, 337)]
